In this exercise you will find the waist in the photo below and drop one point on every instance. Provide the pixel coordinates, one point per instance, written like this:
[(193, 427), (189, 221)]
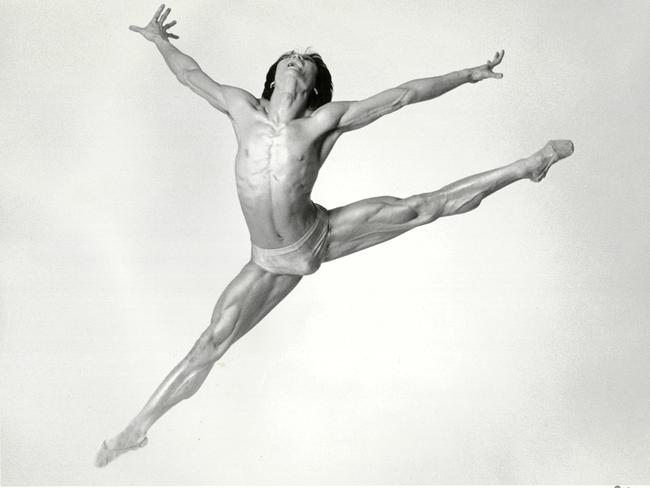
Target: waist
[(319, 220), (271, 228)]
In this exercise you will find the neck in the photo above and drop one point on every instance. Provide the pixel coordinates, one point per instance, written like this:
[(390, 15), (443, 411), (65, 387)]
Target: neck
[(288, 103)]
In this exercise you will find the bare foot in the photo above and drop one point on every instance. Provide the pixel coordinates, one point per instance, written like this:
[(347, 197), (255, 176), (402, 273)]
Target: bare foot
[(124, 442), (539, 163)]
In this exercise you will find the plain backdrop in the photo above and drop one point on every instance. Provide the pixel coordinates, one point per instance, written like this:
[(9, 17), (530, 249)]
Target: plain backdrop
[(507, 345)]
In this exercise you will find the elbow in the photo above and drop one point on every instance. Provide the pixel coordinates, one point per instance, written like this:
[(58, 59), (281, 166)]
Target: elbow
[(406, 97), (182, 75), (411, 96)]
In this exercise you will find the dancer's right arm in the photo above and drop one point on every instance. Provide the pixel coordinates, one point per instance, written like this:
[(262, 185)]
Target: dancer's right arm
[(188, 71)]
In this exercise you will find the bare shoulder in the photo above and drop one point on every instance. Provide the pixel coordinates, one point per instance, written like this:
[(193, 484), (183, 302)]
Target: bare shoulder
[(242, 104), (238, 97), (327, 117), (231, 100)]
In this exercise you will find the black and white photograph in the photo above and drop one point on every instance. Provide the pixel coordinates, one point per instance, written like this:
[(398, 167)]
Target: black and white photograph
[(360, 242)]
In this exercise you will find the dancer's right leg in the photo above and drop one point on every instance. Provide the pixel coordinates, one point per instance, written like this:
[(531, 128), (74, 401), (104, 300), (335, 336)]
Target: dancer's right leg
[(244, 302)]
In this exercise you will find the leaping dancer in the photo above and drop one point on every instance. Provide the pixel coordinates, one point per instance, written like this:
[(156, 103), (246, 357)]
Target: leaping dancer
[(283, 139)]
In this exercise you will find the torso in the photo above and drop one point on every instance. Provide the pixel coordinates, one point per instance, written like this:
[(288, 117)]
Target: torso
[(276, 168)]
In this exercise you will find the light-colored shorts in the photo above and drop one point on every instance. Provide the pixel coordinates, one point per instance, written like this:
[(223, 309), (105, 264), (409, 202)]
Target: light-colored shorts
[(304, 256)]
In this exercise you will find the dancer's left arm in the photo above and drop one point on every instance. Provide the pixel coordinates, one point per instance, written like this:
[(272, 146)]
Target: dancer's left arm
[(345, 116)]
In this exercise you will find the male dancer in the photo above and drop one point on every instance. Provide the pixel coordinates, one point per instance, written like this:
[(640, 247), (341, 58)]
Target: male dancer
[(283, 140)]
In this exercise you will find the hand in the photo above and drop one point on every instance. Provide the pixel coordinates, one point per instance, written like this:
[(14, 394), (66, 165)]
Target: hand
[(155, 29), (485, 71)]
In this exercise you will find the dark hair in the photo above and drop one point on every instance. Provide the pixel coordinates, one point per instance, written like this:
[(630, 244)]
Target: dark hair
[(323, 86)]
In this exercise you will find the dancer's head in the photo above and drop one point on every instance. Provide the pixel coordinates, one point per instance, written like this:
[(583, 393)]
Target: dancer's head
[(311, 68)]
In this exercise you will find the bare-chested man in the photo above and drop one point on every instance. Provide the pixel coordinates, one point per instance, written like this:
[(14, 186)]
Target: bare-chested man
[(283, 139)]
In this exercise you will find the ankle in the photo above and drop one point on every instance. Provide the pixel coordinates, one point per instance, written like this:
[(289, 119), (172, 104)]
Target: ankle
[(522, 167), (135, 431)]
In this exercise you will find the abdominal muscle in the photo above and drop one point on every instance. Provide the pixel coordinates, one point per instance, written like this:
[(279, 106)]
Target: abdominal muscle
[(274, 188)]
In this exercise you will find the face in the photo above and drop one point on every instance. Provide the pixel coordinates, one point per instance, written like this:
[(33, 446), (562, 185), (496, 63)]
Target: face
[(298, 66)]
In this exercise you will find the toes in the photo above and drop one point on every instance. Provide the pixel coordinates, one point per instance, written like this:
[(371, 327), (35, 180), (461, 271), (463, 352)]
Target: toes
[(102, 458), (571, 146), (563, 147)]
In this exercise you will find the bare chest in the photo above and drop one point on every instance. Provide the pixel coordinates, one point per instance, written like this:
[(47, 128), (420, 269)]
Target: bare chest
[(276, 152)]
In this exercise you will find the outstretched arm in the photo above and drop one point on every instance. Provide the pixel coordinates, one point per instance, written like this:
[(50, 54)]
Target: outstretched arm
[(188, 71), (344, 116), (428, 88)]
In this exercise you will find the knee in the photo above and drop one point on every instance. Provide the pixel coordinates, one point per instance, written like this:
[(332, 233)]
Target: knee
[(427, 207), (224, 324), (218, 337), (462, 205), (393, 211)]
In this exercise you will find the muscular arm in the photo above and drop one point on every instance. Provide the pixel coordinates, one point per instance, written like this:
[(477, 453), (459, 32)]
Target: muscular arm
[(345, 116), (186, 69), (190, 74)]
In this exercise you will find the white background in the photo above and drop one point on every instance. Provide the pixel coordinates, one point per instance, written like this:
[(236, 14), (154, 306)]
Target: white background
[(508, 345)]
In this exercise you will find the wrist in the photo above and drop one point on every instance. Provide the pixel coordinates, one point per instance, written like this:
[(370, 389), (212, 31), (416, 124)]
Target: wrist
[(159, 41), (473, 74), (466, 75)]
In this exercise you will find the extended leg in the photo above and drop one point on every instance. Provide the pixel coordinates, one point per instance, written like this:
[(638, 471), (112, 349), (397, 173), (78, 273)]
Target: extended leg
[(244, 302), (369, 222)]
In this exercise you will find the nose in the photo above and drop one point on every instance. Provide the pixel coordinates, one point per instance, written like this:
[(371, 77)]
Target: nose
[(297, 56)]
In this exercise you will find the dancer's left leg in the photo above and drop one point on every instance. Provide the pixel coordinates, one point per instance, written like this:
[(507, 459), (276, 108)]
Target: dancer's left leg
[(369, 222)]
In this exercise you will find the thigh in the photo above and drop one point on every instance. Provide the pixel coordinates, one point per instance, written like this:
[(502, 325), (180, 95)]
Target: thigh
[(252, 294), (369, 222)]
